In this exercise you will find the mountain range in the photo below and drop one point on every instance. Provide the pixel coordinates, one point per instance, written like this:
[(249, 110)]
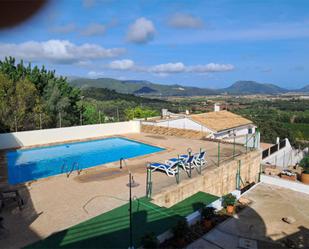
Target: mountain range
[(141, 87)]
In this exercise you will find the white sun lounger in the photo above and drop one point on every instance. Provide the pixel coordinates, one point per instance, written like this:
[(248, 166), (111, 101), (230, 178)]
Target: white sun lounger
[(184, 162), (198, 160), (170, 170)]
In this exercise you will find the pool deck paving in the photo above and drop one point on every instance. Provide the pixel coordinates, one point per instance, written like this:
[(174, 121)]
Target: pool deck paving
[(58, 202)]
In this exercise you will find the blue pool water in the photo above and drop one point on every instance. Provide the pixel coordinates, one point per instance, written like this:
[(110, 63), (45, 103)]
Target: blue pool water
[(30, 164)]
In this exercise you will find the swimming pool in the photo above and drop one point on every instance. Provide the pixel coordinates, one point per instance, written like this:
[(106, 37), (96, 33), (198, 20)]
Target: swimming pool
[(30, 164)]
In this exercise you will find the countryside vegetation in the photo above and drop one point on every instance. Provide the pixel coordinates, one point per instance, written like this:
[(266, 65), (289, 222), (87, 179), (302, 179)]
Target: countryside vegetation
[(34, 98), (279, 118)]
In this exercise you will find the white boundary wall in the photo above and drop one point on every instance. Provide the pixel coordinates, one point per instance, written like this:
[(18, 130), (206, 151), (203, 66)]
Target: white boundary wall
[(296, 186), (39, 137), (285, 156)]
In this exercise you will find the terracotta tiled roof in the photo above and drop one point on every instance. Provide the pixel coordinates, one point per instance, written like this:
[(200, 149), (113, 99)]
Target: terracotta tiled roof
[(221, 120)]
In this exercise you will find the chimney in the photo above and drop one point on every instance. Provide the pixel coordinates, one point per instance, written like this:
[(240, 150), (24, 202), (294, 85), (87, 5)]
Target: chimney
[(164, 113), (217, 107), (187, 112), (278, 140)]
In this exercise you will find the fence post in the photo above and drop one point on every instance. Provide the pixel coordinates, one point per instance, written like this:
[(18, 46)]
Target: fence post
[(40, 121), (117, 113), (238, 177), (218, 153), (260, 172), (177, 175), (147, 179), (15, 118), (148, 183), (100, 116), (246, 143), (283, 159), (234, 148), (60, 119)]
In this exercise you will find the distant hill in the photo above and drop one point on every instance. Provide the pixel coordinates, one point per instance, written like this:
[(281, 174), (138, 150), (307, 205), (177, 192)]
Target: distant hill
[(252, 87), (146, 88), (141, 87), (305, 89), (104, 94)]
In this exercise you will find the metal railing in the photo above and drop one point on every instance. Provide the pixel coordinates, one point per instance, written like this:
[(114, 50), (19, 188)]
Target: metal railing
[(68, 171), (273, 149), (37, 121)]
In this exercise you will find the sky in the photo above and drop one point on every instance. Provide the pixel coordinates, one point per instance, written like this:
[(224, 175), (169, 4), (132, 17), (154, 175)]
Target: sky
[(202, 43)]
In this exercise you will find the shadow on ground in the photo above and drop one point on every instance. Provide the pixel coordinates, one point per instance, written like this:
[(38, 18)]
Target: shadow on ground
[(16, 222)]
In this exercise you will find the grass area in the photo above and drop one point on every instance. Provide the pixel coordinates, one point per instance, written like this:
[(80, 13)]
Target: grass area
[(193, 203), (111, 229), (299, 127)]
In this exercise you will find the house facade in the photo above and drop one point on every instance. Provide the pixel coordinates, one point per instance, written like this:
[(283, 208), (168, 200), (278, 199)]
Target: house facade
[(217, 124)]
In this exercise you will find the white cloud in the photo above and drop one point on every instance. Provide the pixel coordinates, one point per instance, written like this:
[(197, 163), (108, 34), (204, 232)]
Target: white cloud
[(64, 29), (141, 31), (57, 51), (261, 32), (177, 67), (266, 70), (181, 20), (94, 29), (170, 68), (95, 74), (88, 3), (211, 68), (180, 67), (122, 64)]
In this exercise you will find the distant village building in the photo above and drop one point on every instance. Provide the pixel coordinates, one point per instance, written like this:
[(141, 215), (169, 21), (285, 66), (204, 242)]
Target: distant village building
[(217, 124)]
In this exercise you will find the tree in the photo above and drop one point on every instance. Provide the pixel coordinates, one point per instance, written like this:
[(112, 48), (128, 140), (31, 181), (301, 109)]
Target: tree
[(39, 93), (19, 102), (7, 90), (27, 104), (139, 112)]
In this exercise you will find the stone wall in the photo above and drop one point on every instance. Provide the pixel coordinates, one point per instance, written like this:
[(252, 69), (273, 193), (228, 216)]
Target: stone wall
[(217, 181)]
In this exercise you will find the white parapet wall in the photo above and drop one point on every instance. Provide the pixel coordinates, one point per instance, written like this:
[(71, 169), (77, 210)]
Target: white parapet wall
[(57, 135), (296, 186), (285, 156)]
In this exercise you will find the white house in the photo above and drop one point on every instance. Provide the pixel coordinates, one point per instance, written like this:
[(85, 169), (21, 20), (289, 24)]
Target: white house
[(217, 124)]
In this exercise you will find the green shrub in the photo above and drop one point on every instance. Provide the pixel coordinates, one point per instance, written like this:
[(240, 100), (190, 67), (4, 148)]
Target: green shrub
[(150, 241), (228, 200), (304, 163), (181, 229), (208, 212)]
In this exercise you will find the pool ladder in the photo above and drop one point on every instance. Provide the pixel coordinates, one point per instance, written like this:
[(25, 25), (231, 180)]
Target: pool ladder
[(75, 166), (122, 162)]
